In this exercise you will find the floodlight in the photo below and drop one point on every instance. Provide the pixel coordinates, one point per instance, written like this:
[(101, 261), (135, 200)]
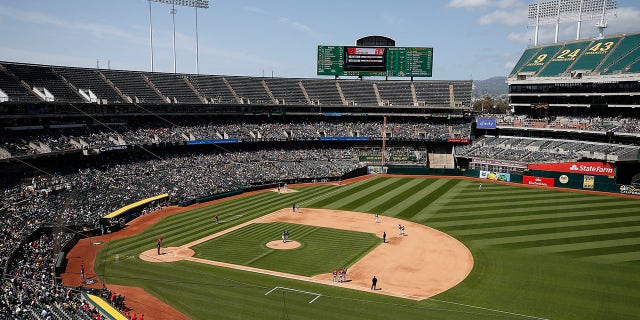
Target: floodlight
[(203, 4), (558, 11)]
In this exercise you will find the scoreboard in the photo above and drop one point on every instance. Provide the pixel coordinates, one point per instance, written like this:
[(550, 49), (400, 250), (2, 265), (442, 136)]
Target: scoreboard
[(375, 61)]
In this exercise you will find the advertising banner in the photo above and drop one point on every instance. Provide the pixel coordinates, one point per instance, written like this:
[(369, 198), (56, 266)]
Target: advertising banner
[(486, 123), (597, 168), (212, 141), (498, 176), (633, 190), (376, 169), (538, 181), (459, 140), (344, 139), (588, 182)]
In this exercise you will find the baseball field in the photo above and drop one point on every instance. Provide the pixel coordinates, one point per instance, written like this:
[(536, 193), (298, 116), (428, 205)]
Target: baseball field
[(496, 252)]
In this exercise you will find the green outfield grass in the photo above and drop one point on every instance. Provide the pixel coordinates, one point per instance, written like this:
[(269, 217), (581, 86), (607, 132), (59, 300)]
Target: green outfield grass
[(539, 253), (322, 249)]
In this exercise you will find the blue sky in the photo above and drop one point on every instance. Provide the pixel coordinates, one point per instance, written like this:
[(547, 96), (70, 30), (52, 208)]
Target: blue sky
[(472, 39)]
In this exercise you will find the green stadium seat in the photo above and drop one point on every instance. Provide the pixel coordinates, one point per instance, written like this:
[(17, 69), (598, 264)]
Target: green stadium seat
[(627, 44), (595, 52), (526, 56), (620, 65), (539, 60), (563, 59)]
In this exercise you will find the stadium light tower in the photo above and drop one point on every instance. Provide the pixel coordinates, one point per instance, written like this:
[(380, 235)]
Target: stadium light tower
[(558, 11), (185, 3)]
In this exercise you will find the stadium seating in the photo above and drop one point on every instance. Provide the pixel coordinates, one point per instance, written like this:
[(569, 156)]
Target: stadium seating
[(623, 49), (133, 85), (397, 93), (44, 77), (13, 89), (173, 87), (90, 79), (322, 92), (212, 88), (250, 90), (360, 92), (606, 56), (563, 59), (590, 58), (286, 90)]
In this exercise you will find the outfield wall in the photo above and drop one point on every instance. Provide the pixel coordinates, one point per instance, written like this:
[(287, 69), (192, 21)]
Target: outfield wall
[(531, 177)]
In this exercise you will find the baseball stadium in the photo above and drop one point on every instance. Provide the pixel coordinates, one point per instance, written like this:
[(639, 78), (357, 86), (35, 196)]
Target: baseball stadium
[(149, 195)]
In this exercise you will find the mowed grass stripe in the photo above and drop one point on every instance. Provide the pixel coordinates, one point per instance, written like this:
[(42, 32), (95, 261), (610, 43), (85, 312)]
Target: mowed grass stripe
[(542, 202), (534, 218), (525, 210), (382, 189), (490, 233), (482, 197), (380, 186), (442, 201), (541, 238), (623, 257), (419, 196), (572, 240), (344, 192), (532, 211), (381, 203), (403, 196), (417, 207), (591, 248)]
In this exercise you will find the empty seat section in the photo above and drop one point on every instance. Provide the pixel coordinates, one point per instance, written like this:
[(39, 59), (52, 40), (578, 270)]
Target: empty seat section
[(212, 88), (323, 91), (250, 88), (434, 93), (361, 92), (286, 90), (524, 59), (622, 63), (594, 53), (14, 90), (540, 59), (43, 76), (173, 86), (634, 67), (89, 79), (132, 84), (398, 93), (462, 92), (627, 44)]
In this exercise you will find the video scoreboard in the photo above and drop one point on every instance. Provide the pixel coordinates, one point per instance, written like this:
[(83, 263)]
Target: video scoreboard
[(375, 61)]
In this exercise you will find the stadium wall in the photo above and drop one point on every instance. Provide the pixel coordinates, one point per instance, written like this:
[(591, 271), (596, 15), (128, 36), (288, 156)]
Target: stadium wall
[(542, 178)]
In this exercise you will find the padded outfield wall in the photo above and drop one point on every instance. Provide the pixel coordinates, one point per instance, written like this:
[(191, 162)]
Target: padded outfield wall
[(543, 178)]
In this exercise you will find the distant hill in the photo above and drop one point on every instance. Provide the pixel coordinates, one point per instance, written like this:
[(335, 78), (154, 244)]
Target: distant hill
[(493, 87)]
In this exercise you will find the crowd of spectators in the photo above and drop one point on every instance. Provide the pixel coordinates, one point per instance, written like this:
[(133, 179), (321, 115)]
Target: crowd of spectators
[(116, 134)]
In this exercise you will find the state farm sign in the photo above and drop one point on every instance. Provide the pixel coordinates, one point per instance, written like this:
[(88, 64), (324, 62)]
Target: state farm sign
[(597, 168)]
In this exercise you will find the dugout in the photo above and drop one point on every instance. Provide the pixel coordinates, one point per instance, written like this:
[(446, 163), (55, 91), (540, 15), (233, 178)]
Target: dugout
[(116, 219)]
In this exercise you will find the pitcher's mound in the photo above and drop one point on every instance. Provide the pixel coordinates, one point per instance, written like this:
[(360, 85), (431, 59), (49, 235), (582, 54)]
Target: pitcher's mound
[(278, 244), (167, 254)]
